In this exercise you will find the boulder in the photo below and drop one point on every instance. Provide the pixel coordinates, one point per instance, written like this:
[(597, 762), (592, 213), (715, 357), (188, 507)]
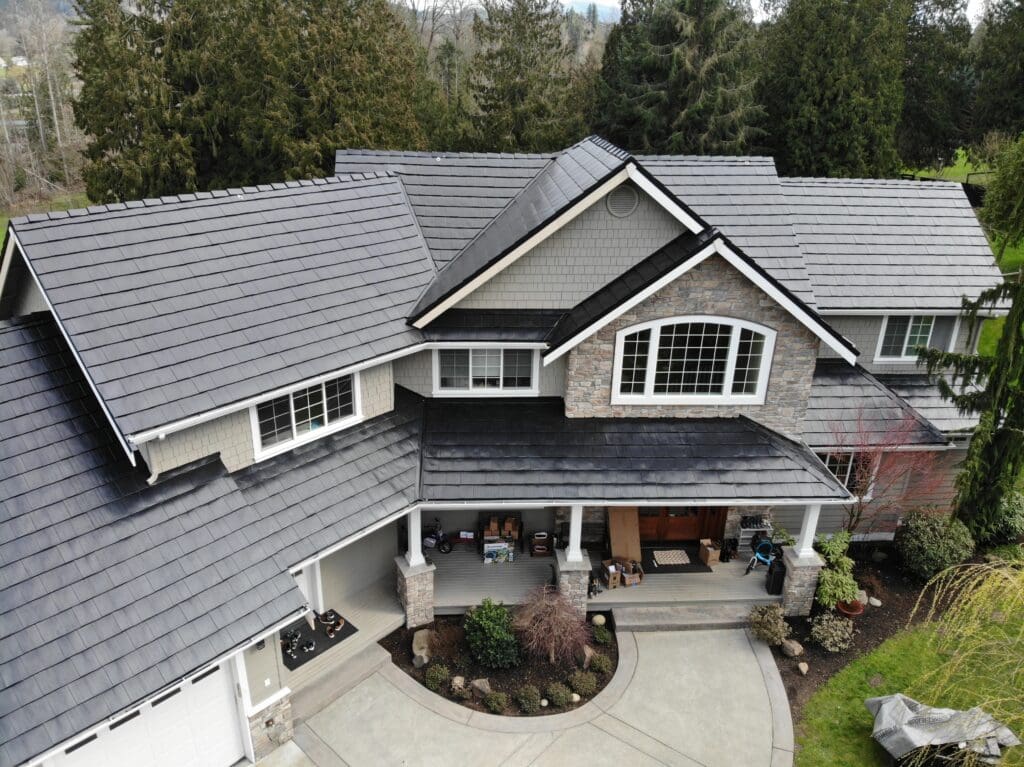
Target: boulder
[(584, 656), (543, 702), (792, 648), (576, 697), (878, 556), (804, 668), (874, 602), (458, 683), (598, 620), (481, 687), (862, 597), (421, 647)]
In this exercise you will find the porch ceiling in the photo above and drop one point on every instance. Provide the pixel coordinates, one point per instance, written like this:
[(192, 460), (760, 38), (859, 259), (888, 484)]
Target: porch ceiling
[(529, 450)]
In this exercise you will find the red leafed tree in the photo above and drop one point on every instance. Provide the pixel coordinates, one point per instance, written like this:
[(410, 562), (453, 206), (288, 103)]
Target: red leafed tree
[(550, 627), (884, 465)]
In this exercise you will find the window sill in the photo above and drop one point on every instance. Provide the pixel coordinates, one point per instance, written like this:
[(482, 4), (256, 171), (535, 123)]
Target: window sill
[(622, 399), (484, 393)]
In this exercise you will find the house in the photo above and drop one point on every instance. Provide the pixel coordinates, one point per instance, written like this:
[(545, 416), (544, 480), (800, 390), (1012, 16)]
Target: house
[(225, 410)]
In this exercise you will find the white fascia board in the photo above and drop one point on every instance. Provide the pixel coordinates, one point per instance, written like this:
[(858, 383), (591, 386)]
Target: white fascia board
[(523, 248), (677, 211), (67, 338), (534, 504), (8, 257)]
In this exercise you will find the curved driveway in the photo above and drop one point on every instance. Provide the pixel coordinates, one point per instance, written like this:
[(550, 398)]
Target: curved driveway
[(711, 698)]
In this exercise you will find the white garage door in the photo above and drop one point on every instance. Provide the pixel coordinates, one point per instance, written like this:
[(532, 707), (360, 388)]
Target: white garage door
[(195, 725)]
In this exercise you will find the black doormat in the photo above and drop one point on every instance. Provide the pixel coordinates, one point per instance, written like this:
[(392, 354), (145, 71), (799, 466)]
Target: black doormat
[(651, 568), (318, 636)]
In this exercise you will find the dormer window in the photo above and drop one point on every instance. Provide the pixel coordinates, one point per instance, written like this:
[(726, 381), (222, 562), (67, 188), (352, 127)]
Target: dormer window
[(485, 372), (305, 414), (692, 361)]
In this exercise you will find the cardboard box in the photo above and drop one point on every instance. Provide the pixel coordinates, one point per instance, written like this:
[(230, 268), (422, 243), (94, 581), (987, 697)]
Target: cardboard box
[(622, 571), (709, 553), (611, 574)]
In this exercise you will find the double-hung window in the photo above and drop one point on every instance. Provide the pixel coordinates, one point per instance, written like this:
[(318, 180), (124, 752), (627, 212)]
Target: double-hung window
[(485, 372), (305, 414), (855, 470), (692, 360), (901, 335)]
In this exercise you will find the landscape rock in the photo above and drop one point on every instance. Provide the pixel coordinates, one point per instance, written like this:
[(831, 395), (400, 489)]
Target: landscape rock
[(598, 620), (862, 597), (421, 647), (878, 556), (585, 656), (481, 687), (874, 602), (792, 648), (543, 702), (458, 683), (576, 697), (804, 668)]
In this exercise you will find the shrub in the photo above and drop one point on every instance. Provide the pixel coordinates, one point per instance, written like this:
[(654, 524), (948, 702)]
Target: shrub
[(1011, 552), (528, 699), (831, 631), (559, 695), (550, 627), (602, 634), (928, 542), (496, 702), (583, 682), (1010, 520), (489, 635), (834, 548), (437, 677), (835, 586), (445, 641), (768, 624), (601, 663)]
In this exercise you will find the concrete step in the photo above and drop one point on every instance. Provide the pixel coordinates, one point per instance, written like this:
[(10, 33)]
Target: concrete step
[(695, 616), (320, 693)]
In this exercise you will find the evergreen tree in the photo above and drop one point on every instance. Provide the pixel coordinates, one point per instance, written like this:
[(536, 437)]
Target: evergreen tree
[(522, 77), (181, 95), (832, 85), (678, 77), (999, 69), (936, 83), (992, 386)]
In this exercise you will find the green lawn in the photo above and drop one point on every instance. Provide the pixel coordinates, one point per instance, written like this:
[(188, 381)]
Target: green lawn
[(60, 202), (1013, 259), (956, 172)]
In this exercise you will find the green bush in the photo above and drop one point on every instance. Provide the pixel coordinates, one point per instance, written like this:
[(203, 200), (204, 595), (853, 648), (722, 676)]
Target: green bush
[(768, 624), (583, 682), (1010, 522), (831, 631), (1011, 552), (835, 586), (490, 637), (496, 702), (528, 699), (601, 663), (929, 542), (833, 548), (437, 677), (601, 634), (559, 695)]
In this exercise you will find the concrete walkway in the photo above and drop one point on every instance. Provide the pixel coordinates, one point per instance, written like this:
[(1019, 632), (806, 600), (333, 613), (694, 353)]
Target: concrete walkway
[(695, 698)]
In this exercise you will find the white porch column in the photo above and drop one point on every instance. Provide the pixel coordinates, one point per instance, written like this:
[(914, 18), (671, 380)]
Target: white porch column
[(414, 556), (573, 552), (808, 529)]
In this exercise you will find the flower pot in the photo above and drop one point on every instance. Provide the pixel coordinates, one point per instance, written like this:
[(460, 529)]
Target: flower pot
[(850, 609)]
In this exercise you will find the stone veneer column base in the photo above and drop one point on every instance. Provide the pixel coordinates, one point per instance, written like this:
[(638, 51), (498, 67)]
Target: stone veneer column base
[(271, 727), (573, 579), (415, 591), (801, 581)]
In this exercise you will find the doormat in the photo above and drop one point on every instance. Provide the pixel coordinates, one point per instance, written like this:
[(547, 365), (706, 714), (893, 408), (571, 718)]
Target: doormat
[(321, 642), (652, 567), (664, 557)]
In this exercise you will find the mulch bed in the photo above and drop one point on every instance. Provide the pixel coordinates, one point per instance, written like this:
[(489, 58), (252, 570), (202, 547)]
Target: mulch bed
[(531, 670), (898, 593)]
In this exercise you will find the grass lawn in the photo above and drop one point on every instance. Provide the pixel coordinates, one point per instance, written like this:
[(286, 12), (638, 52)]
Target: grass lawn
[(1013, 259), (60, 202), (956, 172)]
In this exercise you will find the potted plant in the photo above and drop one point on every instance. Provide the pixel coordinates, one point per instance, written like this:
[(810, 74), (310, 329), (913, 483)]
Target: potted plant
[(836, 586)]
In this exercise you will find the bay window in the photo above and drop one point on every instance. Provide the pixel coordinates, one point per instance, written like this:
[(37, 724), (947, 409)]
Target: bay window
[(485, 372), (304, 414)]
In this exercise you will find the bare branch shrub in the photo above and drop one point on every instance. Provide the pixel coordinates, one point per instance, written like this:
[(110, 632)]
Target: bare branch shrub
[(550, 627)]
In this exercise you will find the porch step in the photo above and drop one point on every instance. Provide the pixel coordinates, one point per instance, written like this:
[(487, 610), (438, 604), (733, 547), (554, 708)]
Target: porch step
[(320, 693), (691, 617)]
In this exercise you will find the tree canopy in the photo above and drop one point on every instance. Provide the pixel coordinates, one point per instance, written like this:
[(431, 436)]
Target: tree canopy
[(998, 65)]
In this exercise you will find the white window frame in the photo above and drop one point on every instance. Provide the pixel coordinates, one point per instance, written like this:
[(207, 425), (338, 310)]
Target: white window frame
[(261, 454), (533, 391), (844, 481), (910, 323), (726, 397)]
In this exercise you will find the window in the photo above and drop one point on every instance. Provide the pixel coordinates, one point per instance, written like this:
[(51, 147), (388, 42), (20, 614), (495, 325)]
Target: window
[(693, 360), (850, 469), (902, 335), (485, 372), (303, 414)]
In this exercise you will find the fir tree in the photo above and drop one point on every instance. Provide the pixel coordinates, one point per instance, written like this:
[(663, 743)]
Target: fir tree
[(999, 69), (832, 85)]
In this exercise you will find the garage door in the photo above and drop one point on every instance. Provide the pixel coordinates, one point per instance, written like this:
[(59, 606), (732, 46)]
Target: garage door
[(194, 725)]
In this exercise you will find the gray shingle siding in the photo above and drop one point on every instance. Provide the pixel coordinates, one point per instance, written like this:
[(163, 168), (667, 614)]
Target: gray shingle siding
[(865, 331)]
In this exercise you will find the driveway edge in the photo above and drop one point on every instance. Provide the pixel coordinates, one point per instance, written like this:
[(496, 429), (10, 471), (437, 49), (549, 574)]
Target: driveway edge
[(782, 719)]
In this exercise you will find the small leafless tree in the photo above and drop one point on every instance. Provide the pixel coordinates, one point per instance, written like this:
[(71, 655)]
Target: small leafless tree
[(550, 627)]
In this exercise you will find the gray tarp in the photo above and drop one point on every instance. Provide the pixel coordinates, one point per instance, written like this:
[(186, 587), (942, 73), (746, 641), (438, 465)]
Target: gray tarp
[(902, 724)]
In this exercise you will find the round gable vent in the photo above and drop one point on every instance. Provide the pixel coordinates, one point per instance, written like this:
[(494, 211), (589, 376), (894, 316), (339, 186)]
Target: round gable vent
[(622, 201)]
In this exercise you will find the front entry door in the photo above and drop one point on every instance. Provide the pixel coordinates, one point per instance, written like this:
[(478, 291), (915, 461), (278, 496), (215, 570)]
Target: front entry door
[(678, 523)]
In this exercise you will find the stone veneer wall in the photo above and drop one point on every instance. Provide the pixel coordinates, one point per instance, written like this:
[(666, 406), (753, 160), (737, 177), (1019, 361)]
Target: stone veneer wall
[(573, 579), (271, 727), (415, 591), (716, 288), (801, 582)]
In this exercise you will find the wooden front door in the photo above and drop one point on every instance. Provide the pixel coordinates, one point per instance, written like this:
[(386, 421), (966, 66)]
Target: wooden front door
[(680, 523)]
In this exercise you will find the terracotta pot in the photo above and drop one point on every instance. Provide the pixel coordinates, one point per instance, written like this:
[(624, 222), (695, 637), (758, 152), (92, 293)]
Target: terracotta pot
[(850, 609)]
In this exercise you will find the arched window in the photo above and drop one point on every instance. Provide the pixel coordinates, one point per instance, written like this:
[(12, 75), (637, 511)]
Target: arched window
[(692, 360)]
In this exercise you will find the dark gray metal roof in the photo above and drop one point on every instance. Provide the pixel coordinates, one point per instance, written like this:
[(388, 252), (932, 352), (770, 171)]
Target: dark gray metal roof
[(887, 245), (565, 179), (849, 407), (529, 450), (110, 590), (923, 395), (492, 325), (167, 300)]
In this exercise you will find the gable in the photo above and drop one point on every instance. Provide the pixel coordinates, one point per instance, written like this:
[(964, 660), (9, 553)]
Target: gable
[(590, 251)]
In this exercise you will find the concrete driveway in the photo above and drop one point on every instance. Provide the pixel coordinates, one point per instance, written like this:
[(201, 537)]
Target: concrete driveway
[(710, 698)]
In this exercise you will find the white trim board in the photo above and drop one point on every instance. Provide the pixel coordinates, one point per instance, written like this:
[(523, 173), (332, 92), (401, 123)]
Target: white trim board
[(715, 247)]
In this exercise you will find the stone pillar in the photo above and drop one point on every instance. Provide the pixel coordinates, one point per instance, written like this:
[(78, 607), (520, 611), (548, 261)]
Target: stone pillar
[(573, 579), (415, 591), (271, 727), (801, 581)]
